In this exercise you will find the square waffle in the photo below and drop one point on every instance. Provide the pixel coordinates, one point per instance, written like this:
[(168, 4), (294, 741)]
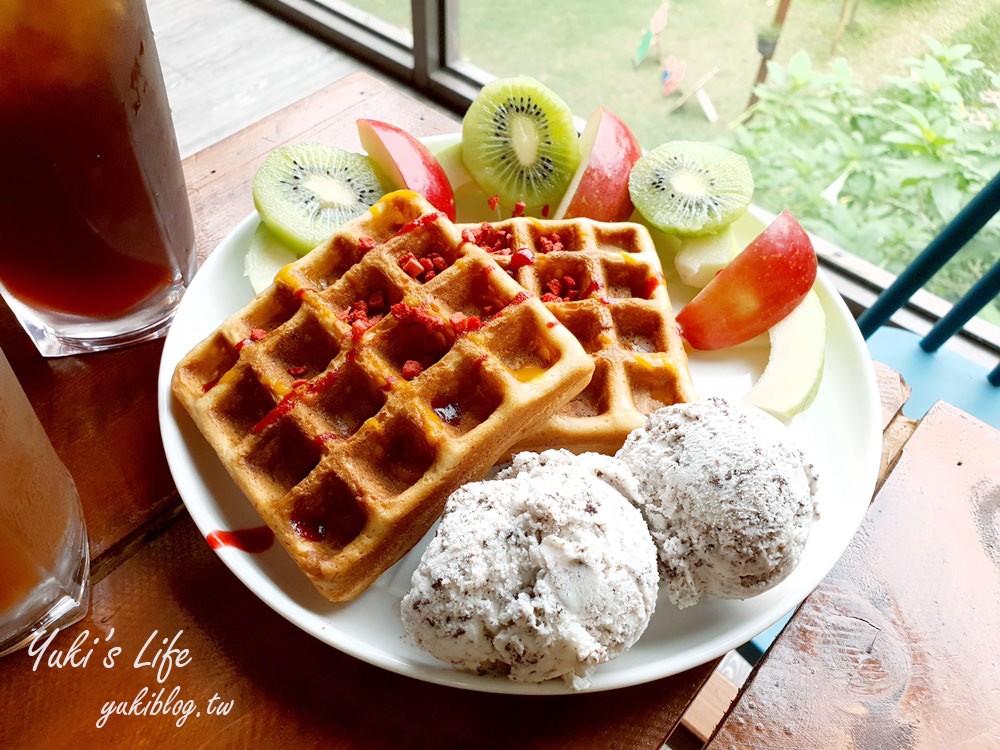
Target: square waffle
[(376, 375), (605, 284)]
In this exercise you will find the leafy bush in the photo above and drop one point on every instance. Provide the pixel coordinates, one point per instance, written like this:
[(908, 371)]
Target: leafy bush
[(881, 174)]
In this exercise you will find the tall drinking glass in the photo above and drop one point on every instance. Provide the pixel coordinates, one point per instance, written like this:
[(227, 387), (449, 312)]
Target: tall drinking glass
[(96, 238), (44, 556)]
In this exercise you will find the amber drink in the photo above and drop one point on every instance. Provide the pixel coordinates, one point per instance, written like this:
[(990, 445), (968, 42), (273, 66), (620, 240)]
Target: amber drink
[(44, 556), (96, 238)]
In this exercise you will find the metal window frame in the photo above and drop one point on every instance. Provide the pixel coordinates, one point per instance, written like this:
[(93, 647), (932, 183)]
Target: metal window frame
[(429, 61)]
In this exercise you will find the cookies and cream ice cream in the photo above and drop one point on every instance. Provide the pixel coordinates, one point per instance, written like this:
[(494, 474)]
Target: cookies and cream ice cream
[(552, 567), (728, 497), (542, 573)]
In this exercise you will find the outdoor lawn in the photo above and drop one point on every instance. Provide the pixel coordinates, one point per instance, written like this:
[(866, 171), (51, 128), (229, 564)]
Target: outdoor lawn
[(876, 165)]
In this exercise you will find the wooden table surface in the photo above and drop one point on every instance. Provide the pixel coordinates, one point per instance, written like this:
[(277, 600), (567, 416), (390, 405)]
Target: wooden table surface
[(878, 651)]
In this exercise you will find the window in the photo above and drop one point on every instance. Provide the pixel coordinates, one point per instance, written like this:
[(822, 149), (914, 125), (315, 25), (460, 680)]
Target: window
[(873, 132)]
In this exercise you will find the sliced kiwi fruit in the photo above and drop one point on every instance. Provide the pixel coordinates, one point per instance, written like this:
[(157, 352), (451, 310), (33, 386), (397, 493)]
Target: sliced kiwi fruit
[(304, 191), (519, 142), (691, 188)]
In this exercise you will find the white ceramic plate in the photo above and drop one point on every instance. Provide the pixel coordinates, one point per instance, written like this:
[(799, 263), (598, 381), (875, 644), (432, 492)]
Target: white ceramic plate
[(841, 430)]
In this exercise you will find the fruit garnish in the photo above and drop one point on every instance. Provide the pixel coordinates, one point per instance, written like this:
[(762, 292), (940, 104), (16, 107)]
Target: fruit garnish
[(690, 188), (762, 285), (794, 368), (599, 188), (266, 256), (304, 191), (698, 259), (519, 142), (407, 163)]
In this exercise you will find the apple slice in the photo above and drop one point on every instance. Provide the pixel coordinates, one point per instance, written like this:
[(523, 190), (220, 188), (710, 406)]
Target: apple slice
[(599, 189), (700, 258), (764, 283), (794, 368), (407, 163), (450, 159), (265, 257)]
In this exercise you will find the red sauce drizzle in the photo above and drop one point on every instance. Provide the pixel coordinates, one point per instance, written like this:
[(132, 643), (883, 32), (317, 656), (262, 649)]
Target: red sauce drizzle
[(255, 540), (323, 438), (304, 389)]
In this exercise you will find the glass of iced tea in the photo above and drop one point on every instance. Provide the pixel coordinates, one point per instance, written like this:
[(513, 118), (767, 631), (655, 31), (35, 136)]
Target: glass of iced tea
[(44, 555), (96, 238)]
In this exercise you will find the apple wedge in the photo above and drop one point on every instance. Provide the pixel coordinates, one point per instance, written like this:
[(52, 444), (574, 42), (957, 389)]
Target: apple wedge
[(407, 163), (265, 257), (699, 259), (794, 367), (599, 188), (761, 286)]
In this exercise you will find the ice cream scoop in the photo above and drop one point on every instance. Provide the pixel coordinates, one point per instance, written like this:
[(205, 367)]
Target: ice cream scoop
[(728, 496), (540, 574)]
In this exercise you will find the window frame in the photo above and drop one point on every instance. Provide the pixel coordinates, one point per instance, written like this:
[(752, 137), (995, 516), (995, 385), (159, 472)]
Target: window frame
[(429, 61)]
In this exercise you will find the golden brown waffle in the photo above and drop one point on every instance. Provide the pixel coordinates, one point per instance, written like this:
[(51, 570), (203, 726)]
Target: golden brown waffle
[(604, 282), (376, 375)]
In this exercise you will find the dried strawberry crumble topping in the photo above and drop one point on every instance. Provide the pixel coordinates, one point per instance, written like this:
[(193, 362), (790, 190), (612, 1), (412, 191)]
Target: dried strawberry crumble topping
[(256, 334), (550, 242), (521, 258), (362, 314), (650, 286), (494, 240), (463, 323), (423, 269), (411, 368), (409, 314), (365, 244), (561, 290)]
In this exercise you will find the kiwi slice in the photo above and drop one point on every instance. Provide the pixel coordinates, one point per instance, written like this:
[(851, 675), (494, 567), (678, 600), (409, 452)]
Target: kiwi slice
[(304, 191), (519, 142), (690, 188)]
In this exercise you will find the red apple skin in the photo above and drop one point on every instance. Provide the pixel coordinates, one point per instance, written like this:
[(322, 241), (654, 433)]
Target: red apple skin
[(758, 288), (602, 193), (408, 163)]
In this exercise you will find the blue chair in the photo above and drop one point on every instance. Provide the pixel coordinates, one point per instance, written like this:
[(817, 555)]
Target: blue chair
[(933, 373)]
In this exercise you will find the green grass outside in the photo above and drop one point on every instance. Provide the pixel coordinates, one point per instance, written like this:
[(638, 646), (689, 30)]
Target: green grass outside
[(583, 49)]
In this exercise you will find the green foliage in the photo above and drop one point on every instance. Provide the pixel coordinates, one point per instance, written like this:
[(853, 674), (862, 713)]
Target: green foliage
[(881, 174)]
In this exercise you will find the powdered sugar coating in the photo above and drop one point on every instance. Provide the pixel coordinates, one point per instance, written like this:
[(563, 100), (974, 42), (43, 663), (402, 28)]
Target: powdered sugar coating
[(536, 576), (728, 497)]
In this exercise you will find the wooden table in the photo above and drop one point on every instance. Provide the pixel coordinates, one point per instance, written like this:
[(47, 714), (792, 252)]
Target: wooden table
[(169, 620)]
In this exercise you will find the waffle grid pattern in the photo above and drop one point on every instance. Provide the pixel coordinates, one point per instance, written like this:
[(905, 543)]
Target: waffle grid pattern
[(377, 374), (604, 283)]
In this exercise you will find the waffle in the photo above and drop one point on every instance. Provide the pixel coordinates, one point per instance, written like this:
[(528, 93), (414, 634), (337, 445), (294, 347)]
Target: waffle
[(604, 282), (376, 375)]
